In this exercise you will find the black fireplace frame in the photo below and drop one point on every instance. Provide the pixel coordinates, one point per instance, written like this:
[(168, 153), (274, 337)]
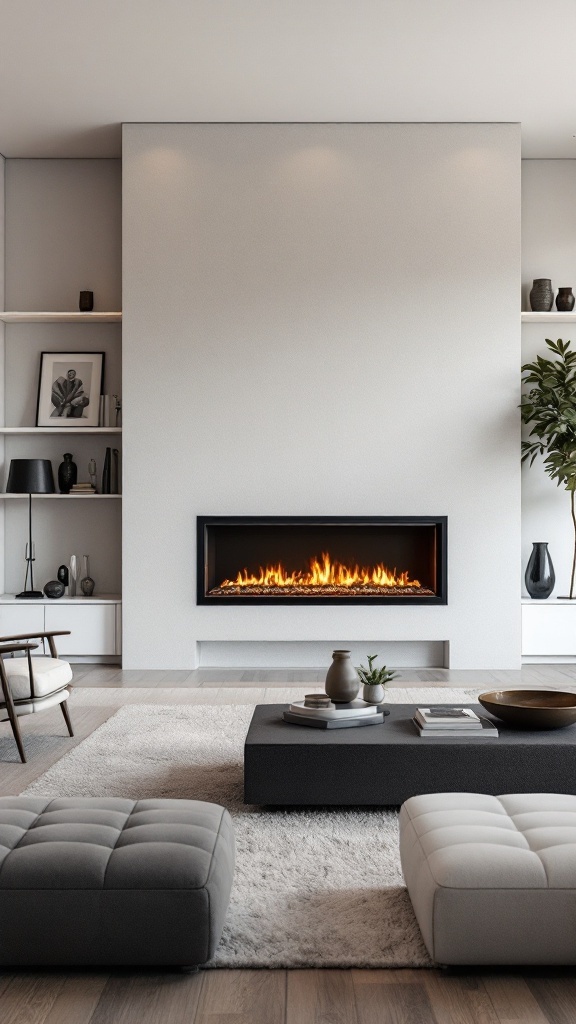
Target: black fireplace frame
[(203, 524)]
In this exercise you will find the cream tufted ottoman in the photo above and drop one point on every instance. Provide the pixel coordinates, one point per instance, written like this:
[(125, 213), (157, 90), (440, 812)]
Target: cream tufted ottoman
[(112, 881), (492, 879)]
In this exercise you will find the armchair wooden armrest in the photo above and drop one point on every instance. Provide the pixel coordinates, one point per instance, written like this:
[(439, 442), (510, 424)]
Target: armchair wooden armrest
[(49, 636), (11, 648)]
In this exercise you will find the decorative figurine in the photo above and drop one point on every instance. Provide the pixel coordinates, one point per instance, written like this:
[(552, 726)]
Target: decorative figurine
[(54, 588), (92, 473), (64, 576)]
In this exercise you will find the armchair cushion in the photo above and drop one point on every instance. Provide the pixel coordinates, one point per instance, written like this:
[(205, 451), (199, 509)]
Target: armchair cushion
[(50, 675)]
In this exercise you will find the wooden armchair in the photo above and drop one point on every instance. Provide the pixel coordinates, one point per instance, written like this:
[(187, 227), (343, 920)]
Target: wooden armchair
[(29, 685)]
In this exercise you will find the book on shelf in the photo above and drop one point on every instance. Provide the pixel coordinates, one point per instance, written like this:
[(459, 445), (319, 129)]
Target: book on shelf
[(448, 718), (354, 709), (484, 730), (333, 723)]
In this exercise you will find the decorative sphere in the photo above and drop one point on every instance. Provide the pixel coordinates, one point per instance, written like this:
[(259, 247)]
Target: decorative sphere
[(54, 588)]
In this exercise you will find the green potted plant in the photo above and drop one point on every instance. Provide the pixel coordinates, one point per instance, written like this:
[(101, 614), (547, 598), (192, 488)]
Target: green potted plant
[(374, 680), (550, 406)]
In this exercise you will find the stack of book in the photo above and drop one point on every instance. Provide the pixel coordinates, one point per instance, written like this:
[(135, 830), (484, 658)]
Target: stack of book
[(82, 489), (323, 714), (444, 721)]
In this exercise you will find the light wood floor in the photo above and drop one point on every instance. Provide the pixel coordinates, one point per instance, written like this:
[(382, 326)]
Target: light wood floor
[(265, 997), (555, 676)]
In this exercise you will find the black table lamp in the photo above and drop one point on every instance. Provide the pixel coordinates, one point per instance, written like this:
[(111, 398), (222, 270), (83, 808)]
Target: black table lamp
[(30, 476)]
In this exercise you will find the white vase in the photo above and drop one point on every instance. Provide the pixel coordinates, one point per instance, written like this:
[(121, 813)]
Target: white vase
[(72, 576), (373, 694)]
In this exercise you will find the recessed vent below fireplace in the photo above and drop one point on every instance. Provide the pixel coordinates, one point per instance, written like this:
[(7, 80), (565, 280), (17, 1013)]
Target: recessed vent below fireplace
[(322, 560)]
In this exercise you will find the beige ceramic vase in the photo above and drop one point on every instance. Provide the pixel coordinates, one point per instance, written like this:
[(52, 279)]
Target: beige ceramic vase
[(342, 682)]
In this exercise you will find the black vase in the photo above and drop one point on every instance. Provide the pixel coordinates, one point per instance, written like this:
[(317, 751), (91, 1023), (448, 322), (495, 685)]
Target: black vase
[(541, 295), (67, 474), (565, 300), (63, 575), (540, 576), (107, 472)]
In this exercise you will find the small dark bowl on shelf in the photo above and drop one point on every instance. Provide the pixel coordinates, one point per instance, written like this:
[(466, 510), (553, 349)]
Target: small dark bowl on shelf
[(531, 709), (54, 589)]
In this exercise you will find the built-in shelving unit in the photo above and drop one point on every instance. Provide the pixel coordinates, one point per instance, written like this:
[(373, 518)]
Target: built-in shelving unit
[(549, 318), (27, 317), (95, 623)]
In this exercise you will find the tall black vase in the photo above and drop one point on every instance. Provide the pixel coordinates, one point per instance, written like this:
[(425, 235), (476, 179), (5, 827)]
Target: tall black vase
[(67, 474), (106, 472), (540, 576)]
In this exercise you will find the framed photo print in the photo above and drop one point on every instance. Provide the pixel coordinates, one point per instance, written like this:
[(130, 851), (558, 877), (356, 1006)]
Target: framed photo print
[(69, 389)]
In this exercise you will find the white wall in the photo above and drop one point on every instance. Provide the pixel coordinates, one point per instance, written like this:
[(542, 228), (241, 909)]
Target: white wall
[(63, 234), (548, 250), (321, 319), (2, 335)]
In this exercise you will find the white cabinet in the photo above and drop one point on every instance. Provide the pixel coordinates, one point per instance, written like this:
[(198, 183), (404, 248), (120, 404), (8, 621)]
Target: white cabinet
[(93, 629), (549, 630), (94, 623), (20, 618)]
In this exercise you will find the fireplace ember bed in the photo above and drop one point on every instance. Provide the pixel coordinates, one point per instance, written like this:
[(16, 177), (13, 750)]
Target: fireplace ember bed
[(321, 560)]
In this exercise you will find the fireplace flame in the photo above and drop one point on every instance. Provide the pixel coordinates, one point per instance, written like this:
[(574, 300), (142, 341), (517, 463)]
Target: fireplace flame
[(323, 572)]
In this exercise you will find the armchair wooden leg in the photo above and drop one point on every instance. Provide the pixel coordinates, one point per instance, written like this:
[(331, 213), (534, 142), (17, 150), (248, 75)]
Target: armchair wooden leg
[(67, 719), (15, 726)]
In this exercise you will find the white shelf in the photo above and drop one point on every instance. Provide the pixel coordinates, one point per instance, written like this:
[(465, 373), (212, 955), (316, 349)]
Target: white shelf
[(66, 497), (61, 430), (15, 317), (549, 318), (549, 601), (79, 599)]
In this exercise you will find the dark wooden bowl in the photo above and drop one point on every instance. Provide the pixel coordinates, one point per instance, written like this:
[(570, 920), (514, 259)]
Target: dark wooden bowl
[(531, 709)]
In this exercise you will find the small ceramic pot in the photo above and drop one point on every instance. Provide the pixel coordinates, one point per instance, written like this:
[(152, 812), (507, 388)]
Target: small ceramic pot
[(565, 300), (541, 295), (373, 694)]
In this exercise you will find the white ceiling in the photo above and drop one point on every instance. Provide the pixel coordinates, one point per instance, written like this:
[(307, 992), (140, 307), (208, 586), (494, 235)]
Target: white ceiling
[(71, 71)]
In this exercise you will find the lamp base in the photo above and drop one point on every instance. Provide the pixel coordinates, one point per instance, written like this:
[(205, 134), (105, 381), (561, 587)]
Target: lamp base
[(30, 594)]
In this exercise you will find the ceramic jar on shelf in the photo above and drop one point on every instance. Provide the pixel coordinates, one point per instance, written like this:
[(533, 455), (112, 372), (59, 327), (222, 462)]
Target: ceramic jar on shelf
[(342, 682)]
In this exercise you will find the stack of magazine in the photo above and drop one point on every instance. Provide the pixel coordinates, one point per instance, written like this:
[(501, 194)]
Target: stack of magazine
[(443, 721), (335, 716)]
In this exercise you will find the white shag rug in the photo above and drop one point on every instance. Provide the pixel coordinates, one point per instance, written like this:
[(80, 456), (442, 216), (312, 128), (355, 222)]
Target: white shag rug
[(311, 888)]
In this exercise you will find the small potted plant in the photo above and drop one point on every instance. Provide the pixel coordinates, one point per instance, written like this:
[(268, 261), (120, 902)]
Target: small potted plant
[(374, 680)]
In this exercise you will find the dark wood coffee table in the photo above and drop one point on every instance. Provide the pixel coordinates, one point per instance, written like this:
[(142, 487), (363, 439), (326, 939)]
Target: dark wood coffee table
[(385, 764)]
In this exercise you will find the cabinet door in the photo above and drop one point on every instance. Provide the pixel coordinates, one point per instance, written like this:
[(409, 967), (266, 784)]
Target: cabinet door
[(548, 629), (21, 618), (93, 628)]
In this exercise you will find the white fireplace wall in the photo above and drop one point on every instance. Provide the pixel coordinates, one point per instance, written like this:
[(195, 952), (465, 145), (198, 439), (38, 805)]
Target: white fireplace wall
[(321, 319)]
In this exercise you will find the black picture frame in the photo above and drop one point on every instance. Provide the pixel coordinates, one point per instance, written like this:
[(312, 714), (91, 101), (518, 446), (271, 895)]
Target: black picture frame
[(74, 409)]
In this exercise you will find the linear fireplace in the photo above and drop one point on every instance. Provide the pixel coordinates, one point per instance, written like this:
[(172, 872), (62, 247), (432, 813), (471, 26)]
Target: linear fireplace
[(322, 559)]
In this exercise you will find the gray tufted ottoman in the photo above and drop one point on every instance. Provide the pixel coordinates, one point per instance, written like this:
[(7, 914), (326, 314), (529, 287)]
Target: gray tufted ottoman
[(492, 879), (110, 881)]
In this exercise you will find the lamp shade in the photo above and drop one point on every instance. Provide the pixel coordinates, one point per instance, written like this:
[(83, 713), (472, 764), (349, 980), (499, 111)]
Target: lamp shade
[(30, 476)]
